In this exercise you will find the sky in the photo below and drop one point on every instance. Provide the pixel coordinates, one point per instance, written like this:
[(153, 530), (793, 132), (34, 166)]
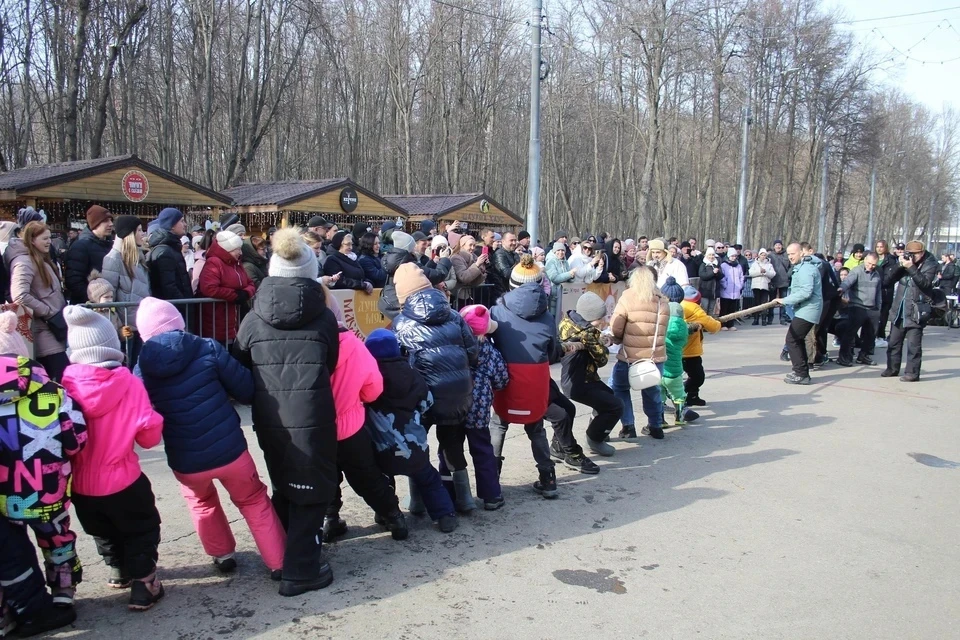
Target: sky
[(925, 49)]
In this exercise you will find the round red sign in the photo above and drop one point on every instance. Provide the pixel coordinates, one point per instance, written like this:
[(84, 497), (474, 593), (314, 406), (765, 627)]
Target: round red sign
[(135, 186)]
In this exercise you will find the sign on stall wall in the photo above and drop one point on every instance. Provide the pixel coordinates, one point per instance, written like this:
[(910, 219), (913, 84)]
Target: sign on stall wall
[(609, 293), (360, 312)]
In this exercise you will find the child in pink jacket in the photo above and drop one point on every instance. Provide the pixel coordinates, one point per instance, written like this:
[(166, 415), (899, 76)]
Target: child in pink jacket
[(112, 496), (355, 381)]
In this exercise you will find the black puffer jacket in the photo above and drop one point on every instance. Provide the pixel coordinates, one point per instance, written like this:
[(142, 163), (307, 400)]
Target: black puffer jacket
[(916, 282), (709, 280), (85, 255), (169, 279), (351, 273), (436, 273), (443, 350), (290, 343)]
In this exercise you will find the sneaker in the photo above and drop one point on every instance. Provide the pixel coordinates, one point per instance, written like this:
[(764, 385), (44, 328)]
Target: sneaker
[(333, 527), (844, 363), (581, 463), (793, 378), (546, 485), (696, 401), (555, 451), (909, 378), (276, 575), (785, 356), (888, 373), (63, 596), (690, 415), (600, 448), (290, 588), (627, 432), (117, 580), (448, 523), (396, 524), (880, 343), (145, 593), (226, 564), (865, 360), (493, 505), (46, 620), (654, 432)]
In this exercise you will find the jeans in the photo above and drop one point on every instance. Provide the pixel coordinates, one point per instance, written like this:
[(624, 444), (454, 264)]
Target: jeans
[(708, 305), (538, 443), (914, 340), (796, 345), (651, 397)]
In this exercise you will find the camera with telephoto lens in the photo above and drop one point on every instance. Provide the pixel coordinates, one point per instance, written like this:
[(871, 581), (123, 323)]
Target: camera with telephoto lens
[(908, 255)]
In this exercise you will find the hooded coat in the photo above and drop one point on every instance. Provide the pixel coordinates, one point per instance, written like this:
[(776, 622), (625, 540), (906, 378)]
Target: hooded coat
[(290, 343), (393, 419), (676, 342), (190, 381), (443, 349), (222, 278), (253, 263), (355, 381), (169, 279), (611, 264), (84, 256), (28, 289)]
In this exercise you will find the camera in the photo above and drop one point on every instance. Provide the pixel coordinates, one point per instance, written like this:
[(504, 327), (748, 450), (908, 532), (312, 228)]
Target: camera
[(908, 255)]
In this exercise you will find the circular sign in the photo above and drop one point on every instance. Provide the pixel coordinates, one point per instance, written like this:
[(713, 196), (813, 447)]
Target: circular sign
[(484, 206), (348, 200), (135, 186)]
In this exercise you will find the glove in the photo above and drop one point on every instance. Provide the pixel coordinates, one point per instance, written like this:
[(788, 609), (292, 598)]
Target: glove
[(242, 296), (368, 287)]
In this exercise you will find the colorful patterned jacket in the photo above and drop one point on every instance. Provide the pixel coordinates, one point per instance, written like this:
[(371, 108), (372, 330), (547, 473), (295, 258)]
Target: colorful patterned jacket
[(489, 374)]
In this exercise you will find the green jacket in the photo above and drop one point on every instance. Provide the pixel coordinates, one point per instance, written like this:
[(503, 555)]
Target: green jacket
[(806, 294), (676, 341)]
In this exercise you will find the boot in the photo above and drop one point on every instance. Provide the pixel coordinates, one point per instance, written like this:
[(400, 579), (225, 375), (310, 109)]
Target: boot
[(289, 588), (547, 484), (414, 502), (627, 432), (696, 401), (47, 620), (395, 523), (333, 527), (765, 321), (464, 501), (756, 322), (145, 593)]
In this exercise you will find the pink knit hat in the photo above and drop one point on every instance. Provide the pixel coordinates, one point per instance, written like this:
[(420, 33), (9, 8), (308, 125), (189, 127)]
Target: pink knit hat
[(11, 342), (156, 316), (478, 319)]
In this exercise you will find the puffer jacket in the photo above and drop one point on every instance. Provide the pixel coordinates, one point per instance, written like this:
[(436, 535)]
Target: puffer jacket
[(393, 419), (762, 274), (694, 313), (677, 335), (526, 337), (580, 367), (731, 287), (443, 350), (129, 288), (916, 282), (85, 255), (38, 476), (169, 279), (373, 270), (782, 268), (190, 381), (290, 343), (635, 324), (222, 278), (351, 273), (356, 381), (709, 280), (489, 374), (253, 263), (28, 289)]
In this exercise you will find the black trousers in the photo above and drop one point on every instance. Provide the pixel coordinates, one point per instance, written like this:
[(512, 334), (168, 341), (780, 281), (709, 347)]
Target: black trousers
[(607, 406), (760, 296), (796, 345), (913, 338), (356, 461), (885, 307), (451, 438), (125, 527), (862, 322), (693, 367), (729, 306), (55, 364), (561, 413), (24, 587), (823, 327), (778, 292)]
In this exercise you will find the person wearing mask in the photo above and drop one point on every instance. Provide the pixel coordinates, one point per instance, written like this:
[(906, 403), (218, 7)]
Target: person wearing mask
[(665, 265), (915, 276), (780, 282), (806, 298), (223, 278), (126, 270), (339, 262), (888, 262), (710, 277), (253, 255), (88, 251), (863, 289), (169, 279), (762, 274), (731, 287)]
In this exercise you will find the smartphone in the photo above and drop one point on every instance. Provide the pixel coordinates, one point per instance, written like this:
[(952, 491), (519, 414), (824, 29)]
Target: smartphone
[(485, 251)]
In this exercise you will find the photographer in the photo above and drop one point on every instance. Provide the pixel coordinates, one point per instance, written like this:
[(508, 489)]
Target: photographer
[(916, 271)]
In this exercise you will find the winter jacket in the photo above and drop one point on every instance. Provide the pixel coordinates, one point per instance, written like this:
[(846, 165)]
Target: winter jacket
[(442, 349), (636, 324), (28, 289), (782, 268), (169, 279), (557, 270), (388, 304), (676, 342), (223, 278), (762, 274), (394, 419), (128, 288), (915, 283), (290, 343), (118, 415), (190, 381), (469, 273), (527, 339), (253, 263), (949, 275), (864, 288), (489, 375), (731, 286), (852, 263), (373, 271), (586, 272), (806, 294), (41, 431), (671, 267), (356, 381), (85, 255), (580, 367), (351, 273), (709, 280), (886, 266), (503, 263), (199, 260), (694, 313), (829, 280)]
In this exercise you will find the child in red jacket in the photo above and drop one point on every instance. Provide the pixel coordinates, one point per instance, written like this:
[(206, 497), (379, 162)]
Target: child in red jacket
[(112, 496)]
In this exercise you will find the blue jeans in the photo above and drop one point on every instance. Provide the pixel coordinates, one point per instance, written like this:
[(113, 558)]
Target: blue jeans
[(652, 400)]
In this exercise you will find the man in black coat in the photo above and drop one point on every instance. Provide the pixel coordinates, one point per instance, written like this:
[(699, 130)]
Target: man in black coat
[(169, 279), (781, 281), (504, 260), (915, 273), (886, 265), (87, 253)]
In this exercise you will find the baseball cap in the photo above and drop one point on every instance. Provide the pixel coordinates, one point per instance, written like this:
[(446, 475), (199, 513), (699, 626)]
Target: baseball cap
[(900, 246)]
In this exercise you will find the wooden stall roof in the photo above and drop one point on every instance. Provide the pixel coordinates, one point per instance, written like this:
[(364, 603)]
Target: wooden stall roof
[(305, 195), (439, 206), (92, 179)]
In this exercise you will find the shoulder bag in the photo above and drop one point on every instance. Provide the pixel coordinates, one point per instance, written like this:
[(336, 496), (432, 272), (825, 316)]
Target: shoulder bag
[(645, 373)]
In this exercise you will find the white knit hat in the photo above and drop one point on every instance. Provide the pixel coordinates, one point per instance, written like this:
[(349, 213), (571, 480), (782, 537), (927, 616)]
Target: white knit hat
[(91, 338), (437, 242), (229, 241), (292, 258), (11, 341)]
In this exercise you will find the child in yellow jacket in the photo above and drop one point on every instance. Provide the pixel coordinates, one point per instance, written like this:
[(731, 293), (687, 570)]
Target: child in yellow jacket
[(693, 353)]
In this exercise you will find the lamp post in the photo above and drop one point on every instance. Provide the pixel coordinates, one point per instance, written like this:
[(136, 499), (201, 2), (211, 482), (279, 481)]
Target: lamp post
[(533, 178)]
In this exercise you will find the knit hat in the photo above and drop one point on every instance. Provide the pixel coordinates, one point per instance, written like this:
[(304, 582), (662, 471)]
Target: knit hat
[(382, 344), (711, 242), (762, 251), (227, 219), (427, 226), (184, 240), (229, 241), (316, 221), (710, 252), (155, 316), (778, 242), (454, 238), (238, 229), (558, 246), (691, 294), (478, 319), (525, 272), (92, 338), (291, 258), (732, 253), (562, 233), (438, 242), (590, 306), (97, 215), (858, 248), (28, 215), (408, 280), (656, 245), (125, 225), (11, 342), (914, 246), (403, 241), (672, 290), (418, 236), (523, 235), (168, 218), (497, 237), (98, 287), (629, 242), (196, 242)]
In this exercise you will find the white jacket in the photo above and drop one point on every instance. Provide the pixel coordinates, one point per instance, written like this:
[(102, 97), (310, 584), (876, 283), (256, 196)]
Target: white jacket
[(586, 272), (762, 273), (672, 267)]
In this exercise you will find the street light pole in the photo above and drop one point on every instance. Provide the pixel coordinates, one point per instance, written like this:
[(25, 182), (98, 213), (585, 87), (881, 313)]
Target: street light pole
[(822, 228), (873, 191), (533, 178), (744, 157), (906, 208)]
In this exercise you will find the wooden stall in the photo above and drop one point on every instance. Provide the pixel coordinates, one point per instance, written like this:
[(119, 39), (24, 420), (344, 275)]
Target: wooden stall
[(478, 210), (126, 185), (339, 200)]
